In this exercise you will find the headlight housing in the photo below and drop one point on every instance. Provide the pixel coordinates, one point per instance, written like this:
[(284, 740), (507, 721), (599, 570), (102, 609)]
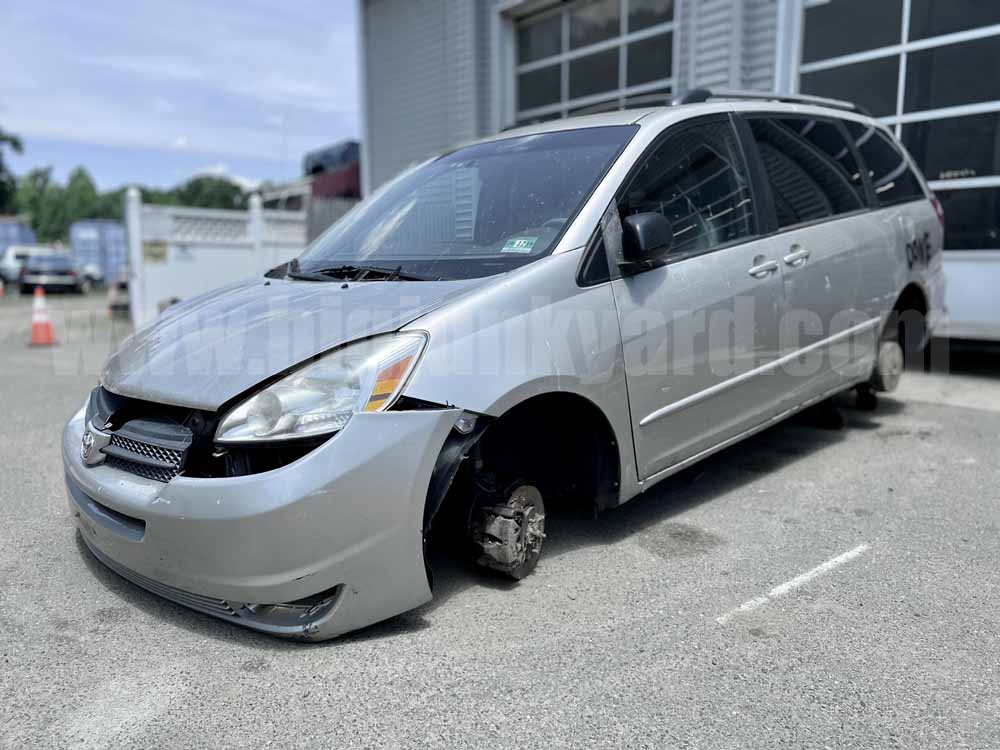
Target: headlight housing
[(320, 398)]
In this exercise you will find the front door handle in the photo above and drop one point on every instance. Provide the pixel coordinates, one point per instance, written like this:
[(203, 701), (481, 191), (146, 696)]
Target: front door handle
[(764, 269), (796, 257)]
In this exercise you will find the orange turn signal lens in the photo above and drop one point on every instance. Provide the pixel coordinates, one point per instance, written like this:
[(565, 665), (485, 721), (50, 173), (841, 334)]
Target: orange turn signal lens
[(391, 375)]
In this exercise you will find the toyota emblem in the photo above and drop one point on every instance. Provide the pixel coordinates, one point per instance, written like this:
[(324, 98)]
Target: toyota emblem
[(88, 445)]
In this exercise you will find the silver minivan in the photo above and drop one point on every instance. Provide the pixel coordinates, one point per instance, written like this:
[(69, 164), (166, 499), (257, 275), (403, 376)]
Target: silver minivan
[(573, 310)]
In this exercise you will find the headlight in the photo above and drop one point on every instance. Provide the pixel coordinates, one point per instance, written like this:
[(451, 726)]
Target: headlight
[(321, 397)]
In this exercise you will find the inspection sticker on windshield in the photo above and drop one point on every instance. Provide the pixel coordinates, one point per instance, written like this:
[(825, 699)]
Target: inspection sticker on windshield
[(522, 245)]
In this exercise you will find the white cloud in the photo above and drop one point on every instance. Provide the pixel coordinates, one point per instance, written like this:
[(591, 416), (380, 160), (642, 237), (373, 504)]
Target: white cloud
[(220, 169), (253, 80)]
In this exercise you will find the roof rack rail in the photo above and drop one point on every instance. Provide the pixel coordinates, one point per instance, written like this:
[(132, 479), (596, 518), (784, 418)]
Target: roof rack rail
[(696, 96)]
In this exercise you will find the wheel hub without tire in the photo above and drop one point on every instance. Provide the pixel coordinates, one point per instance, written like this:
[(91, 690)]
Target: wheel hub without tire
[(509, 534)]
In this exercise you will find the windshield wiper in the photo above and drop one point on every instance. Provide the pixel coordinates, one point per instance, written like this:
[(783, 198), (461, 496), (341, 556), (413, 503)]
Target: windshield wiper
[(354, 272)]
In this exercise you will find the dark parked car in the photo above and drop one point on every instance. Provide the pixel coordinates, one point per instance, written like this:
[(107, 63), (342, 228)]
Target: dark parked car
[(52, 272)]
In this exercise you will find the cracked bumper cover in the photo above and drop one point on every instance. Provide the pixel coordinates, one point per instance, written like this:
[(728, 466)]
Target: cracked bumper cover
[(346, 518)]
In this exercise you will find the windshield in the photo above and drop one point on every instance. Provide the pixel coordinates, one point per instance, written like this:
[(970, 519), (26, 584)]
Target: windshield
[(479, 210)]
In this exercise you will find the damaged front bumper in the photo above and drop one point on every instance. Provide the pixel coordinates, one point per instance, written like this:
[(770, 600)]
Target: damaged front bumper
[(327, 544)]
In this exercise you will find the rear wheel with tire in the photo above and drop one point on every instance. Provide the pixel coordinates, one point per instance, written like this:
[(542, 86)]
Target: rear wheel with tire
[(890, 361)]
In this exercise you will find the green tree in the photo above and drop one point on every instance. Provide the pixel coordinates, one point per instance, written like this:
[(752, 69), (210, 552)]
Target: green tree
[(81, 196), (111, 205), (211, 192), (53, 208), (45, 201), (8, 183), (30, 189)]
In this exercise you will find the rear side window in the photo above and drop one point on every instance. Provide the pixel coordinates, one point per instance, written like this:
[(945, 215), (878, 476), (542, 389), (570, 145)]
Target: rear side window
[(890, 172), (810, 167), (696, 178)]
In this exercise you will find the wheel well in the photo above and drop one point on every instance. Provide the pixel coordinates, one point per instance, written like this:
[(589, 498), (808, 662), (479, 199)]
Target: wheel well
[(908, 320), (560, 442)]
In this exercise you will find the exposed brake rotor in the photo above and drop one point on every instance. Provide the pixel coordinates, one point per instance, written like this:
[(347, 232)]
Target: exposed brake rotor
[(509, 533)]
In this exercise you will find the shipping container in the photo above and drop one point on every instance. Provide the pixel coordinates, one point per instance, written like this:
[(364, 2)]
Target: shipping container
[(100, 243), (15, 231)]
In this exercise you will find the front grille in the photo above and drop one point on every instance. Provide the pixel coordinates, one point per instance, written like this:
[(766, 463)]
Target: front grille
[(218, 607), (165, 455), (149, 461), (146, 471)]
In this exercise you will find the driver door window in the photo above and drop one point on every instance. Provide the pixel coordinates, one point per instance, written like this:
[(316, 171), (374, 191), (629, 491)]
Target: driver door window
[(697, 180)]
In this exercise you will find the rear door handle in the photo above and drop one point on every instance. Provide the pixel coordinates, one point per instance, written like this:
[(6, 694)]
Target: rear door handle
[(797, 257), (761, 270)]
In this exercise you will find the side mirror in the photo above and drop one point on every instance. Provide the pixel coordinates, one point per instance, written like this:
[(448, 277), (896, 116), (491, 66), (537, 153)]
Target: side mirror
[(647, 237)]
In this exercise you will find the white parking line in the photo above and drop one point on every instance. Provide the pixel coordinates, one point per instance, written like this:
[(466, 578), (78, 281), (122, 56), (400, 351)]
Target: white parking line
[(799, 580)]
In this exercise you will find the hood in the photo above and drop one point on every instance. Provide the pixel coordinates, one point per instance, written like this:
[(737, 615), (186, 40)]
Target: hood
[(205, 352)]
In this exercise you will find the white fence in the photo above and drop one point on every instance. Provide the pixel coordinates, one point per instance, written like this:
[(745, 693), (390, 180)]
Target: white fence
[(176, 253)]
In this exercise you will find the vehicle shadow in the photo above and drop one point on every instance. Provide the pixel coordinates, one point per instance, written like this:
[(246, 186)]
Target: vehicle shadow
[(569, 527)]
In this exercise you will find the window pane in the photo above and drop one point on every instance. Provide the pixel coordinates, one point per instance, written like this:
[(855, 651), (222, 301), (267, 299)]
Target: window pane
[(696, 179), (538, 88), (593, 22), (891, 176), (593, 74), (538, 38), (657, 98), (645, 13), (954, 74), (810, 169), (592, 109), (650, 59), (840, 27), (872, 84), (934, 17), (971, 218), (942, 147)]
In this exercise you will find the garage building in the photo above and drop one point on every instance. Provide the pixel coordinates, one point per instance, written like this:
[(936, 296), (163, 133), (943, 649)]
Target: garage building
[(435, 73)]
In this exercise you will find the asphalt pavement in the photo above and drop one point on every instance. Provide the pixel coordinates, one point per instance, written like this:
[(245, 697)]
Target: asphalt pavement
[(808, 588)]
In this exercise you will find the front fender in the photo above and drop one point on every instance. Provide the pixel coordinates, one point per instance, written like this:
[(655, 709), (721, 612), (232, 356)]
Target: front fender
[(528, 334)]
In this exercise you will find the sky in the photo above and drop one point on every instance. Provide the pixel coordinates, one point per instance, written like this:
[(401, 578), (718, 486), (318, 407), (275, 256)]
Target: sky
[(155, 91)]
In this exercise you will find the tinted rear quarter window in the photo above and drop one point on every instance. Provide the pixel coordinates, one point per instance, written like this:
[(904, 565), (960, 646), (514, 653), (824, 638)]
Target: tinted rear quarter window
[(890, 172), (942, 147), (972, 218), (810, 168)]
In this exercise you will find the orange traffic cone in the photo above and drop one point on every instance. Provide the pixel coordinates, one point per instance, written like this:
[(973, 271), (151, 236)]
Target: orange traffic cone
[(41, 325)]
